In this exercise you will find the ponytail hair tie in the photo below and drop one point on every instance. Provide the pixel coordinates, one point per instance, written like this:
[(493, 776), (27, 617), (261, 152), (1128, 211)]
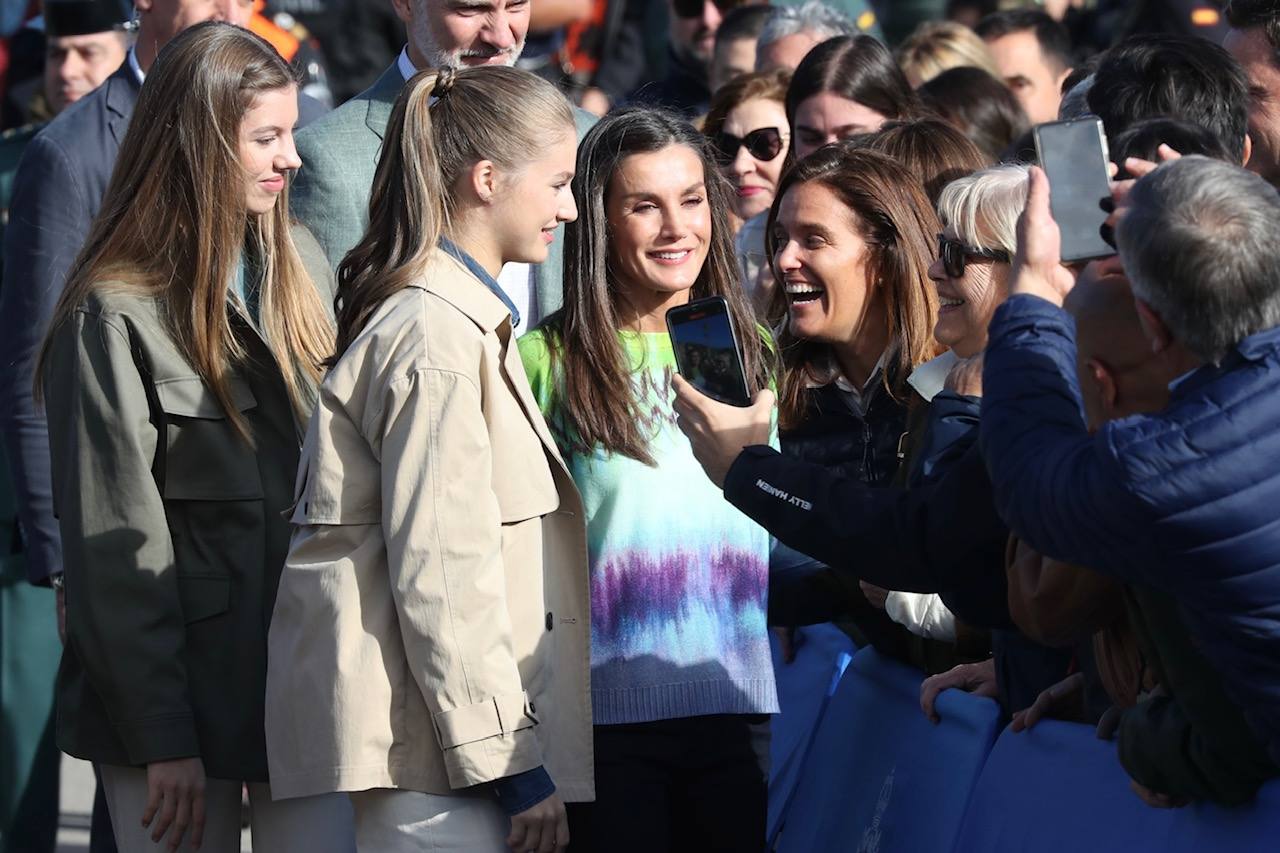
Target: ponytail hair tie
[(445, 78)]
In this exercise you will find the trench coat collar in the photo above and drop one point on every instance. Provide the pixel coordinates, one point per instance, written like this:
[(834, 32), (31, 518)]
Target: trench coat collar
[(448, 277)]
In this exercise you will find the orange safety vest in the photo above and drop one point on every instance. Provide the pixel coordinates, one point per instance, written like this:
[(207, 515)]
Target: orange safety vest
[(285, 43)]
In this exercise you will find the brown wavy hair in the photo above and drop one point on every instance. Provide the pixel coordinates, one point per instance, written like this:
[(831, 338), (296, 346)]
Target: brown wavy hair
[(766, 86), (174, 223), (593, 388), (900, 227), (932, 150), (443, 122)]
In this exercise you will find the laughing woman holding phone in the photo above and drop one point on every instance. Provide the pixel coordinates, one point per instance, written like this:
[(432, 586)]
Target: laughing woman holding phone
[(681, 674)]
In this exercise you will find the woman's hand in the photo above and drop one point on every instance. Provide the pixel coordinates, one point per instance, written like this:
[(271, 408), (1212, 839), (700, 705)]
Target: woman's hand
[(1050, 702), (544, 828), (976, 678), (875, 595), (718, 431), (175, 801)]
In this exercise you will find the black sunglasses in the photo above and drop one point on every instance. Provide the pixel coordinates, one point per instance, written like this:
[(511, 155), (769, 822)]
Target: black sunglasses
[(954, 254), (693, 8), (764, 144)]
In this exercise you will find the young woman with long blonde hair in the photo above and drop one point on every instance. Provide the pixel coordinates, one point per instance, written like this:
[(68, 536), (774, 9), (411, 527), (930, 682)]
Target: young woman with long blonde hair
[(181, 361), (429, 644)]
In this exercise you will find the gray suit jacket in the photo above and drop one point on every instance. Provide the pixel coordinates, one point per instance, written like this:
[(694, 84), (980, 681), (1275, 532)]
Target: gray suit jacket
[(56, 195), (339, 155)]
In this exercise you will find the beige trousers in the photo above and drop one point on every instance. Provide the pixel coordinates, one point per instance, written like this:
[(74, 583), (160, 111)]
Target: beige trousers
[(392, 821), (306, 825)]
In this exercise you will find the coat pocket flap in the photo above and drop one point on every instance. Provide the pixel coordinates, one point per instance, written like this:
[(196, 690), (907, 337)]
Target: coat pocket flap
[(203, 596), (499, 715), (189, 397)]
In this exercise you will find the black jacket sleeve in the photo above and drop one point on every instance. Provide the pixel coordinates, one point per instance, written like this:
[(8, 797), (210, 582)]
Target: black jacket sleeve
[(943, 537)]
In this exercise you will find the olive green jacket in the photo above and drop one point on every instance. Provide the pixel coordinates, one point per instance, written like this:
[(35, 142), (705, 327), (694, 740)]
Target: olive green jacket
[(173, 536)]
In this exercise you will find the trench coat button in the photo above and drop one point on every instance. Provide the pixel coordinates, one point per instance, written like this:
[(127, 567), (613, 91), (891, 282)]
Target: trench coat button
[(549, 621)]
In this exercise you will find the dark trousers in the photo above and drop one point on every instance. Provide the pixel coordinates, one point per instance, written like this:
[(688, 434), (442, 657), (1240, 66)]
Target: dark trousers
[(692, 784)]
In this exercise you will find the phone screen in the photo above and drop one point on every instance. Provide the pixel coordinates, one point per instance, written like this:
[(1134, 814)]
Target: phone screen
[(707, 352), (1074, 157)]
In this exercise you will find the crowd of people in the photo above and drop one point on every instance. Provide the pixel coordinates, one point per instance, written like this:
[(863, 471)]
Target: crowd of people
[(354, 491)]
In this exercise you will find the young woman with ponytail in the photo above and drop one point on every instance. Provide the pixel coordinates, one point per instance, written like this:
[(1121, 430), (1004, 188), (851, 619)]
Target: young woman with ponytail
[(429, 646), (179, 370)]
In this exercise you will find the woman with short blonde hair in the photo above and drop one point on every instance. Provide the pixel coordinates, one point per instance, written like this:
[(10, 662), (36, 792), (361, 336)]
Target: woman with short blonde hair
[(979, 215), (936, 46)]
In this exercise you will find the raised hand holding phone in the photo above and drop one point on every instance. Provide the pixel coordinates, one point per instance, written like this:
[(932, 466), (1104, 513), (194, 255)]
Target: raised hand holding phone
[(718, 431)]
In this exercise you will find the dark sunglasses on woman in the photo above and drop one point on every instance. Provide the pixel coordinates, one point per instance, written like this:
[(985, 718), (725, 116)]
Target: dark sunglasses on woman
[(764, 144), (954, 254), (693, 8)]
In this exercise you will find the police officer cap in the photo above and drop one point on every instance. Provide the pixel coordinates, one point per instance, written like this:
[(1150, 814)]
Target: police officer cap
[(81, 17)]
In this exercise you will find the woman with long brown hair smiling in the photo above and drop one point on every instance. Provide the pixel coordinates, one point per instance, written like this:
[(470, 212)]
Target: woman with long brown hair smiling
[(851, 239), (181, 361), (680, 666)]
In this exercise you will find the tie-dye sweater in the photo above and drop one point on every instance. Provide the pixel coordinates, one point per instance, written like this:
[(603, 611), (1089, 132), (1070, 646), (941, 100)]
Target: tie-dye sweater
[(679, 577)]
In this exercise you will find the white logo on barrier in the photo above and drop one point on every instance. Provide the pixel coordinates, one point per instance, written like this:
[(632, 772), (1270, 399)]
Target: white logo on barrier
[(871, 838)]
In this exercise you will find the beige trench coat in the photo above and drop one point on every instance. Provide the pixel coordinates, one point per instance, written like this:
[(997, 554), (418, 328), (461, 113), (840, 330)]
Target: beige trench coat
[(431, 630)]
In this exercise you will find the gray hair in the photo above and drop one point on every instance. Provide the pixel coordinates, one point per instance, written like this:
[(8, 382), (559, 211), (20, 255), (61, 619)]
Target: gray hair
[(814, 17), (1075, 103), (983, 208), (1199, 246)]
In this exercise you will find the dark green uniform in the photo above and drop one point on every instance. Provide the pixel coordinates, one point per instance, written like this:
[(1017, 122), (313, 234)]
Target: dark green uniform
[(29, 647)]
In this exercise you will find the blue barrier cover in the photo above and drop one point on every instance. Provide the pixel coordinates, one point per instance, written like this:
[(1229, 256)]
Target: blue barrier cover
[(880, 777), (1058, 789), (804, 687)]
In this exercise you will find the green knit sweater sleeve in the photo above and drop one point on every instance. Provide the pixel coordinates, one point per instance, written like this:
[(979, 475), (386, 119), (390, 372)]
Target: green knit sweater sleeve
[(536, 356)]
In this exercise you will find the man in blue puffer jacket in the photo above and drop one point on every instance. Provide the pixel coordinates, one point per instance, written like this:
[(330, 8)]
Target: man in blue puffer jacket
[(1187, 500)]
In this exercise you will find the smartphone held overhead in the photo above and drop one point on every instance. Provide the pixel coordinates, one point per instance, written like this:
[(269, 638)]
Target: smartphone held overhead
[(1074, 157), (708, 354)]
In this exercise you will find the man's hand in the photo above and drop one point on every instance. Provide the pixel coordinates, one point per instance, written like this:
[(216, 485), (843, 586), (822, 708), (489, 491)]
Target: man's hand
[(789, 641), (60, 607), (976, 678), (966, 377), (718, 431), (1037, 265), (1048, 702), (1138, 169), (175, 801), (1157, 800), (541, 829)]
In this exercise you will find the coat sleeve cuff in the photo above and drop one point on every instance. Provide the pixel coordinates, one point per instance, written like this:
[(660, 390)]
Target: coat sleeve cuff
[(498, 715), (159, 739), (740, 482), (523, 790), (488, 740)]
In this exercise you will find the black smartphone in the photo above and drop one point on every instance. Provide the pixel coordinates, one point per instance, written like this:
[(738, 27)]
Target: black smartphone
[(1074, 155), (707, 352)]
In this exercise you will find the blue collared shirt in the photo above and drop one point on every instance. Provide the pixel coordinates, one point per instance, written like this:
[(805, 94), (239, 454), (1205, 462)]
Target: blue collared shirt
[(481, 273)]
